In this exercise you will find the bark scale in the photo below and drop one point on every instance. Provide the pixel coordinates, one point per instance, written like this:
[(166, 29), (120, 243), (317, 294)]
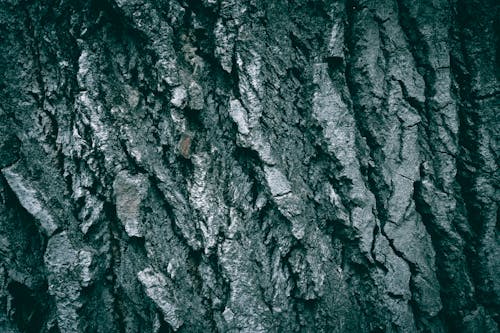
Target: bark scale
[(249, 166)]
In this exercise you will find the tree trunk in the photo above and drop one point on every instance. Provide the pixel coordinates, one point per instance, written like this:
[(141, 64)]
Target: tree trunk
[(249, 166)]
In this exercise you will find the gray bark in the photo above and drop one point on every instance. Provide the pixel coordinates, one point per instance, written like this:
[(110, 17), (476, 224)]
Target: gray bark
[(249, 166)]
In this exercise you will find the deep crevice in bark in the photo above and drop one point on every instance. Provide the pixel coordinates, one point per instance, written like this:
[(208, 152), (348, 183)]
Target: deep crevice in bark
[(248, 166)]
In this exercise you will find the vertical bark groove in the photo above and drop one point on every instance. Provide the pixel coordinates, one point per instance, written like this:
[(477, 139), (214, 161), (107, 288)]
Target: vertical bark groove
[(249, 166)]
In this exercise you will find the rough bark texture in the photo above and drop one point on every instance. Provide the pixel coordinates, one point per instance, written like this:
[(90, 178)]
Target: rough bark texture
[(249, 166)]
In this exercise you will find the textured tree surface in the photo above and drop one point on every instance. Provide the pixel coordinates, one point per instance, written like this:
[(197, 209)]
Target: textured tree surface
[(249, 166)]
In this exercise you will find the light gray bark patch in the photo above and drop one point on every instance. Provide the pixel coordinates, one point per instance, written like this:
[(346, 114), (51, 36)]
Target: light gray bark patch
[(196, 96), (278, 183), (130, 192), (156, 289), (179, 97), (62, 263), (30, 199)]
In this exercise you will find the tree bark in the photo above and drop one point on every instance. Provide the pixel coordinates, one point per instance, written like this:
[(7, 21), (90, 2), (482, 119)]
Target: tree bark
[(249, 166)]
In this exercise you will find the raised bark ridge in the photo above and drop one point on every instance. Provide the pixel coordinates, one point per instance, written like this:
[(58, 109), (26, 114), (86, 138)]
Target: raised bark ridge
[(249, 166)]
